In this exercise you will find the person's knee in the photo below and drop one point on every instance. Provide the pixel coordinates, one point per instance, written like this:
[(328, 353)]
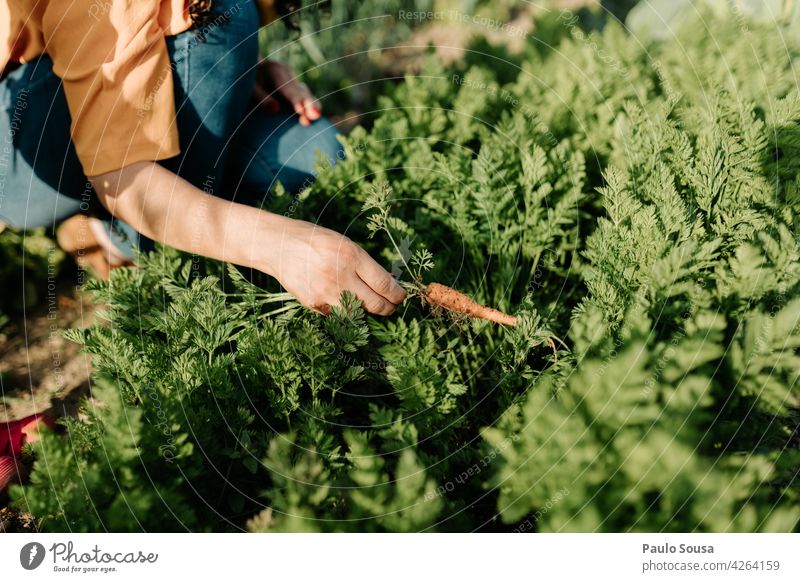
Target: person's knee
[(328, 143), (316, 149)]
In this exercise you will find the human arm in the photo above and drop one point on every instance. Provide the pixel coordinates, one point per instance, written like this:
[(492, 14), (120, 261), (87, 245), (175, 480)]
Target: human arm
[(313, 263)]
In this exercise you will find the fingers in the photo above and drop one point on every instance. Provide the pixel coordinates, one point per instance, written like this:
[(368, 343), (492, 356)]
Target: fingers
[(308, 109), (321, 264), (305, 105), (321, 308), (301, 113), (297, 93), (372, 302), (379, 280), (312, 109)]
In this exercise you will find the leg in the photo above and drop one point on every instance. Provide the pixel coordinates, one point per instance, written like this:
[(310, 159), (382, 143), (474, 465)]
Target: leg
[(213, 80), (275, 148), (41, 180)]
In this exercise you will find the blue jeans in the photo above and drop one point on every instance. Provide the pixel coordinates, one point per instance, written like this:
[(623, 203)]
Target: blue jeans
[(229, 147)]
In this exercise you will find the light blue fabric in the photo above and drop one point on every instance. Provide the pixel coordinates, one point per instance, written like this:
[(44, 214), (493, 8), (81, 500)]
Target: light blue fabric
[(228, 147)]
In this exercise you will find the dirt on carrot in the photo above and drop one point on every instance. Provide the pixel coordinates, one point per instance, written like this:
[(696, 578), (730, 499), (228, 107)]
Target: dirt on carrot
[(452, 300)]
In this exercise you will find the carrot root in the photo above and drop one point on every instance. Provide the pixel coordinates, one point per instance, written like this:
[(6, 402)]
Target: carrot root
[(452, 300)]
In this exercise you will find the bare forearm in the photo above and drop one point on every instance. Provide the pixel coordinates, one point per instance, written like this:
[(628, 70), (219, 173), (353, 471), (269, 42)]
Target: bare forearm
[(313, 263), (168, 209)]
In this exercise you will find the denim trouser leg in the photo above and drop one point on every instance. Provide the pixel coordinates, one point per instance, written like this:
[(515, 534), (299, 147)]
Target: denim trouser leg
[(213, 79), (223, 142), (275, 148), (41, 180)]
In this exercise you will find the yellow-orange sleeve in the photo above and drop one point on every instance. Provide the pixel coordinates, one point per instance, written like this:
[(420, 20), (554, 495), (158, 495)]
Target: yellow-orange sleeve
[(113, 61), (266, 9)]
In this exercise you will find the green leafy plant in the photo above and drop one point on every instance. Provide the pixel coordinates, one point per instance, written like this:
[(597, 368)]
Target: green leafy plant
[(645, 213), (29, 260)]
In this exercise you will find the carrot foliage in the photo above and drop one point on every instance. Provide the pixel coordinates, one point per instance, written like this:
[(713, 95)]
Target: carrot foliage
[(643, 213)]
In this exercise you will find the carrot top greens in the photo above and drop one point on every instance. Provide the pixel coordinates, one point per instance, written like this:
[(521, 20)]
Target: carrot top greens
[(644, 214)]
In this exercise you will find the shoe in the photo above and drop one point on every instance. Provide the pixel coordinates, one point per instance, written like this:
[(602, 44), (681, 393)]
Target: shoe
[(86, 239)]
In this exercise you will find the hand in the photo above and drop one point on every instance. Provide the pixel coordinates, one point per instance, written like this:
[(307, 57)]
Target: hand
[(313, 263), (316, 264), (273, 77)]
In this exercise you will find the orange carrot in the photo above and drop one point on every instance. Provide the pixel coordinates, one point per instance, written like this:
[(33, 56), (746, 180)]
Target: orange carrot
[(452, 300)]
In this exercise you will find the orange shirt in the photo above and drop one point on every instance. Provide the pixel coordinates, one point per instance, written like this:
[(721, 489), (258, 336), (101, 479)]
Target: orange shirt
[(112, 59)]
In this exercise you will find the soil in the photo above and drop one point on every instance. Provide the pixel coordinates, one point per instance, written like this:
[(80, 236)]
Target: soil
[(40, 370), (12, 521)]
